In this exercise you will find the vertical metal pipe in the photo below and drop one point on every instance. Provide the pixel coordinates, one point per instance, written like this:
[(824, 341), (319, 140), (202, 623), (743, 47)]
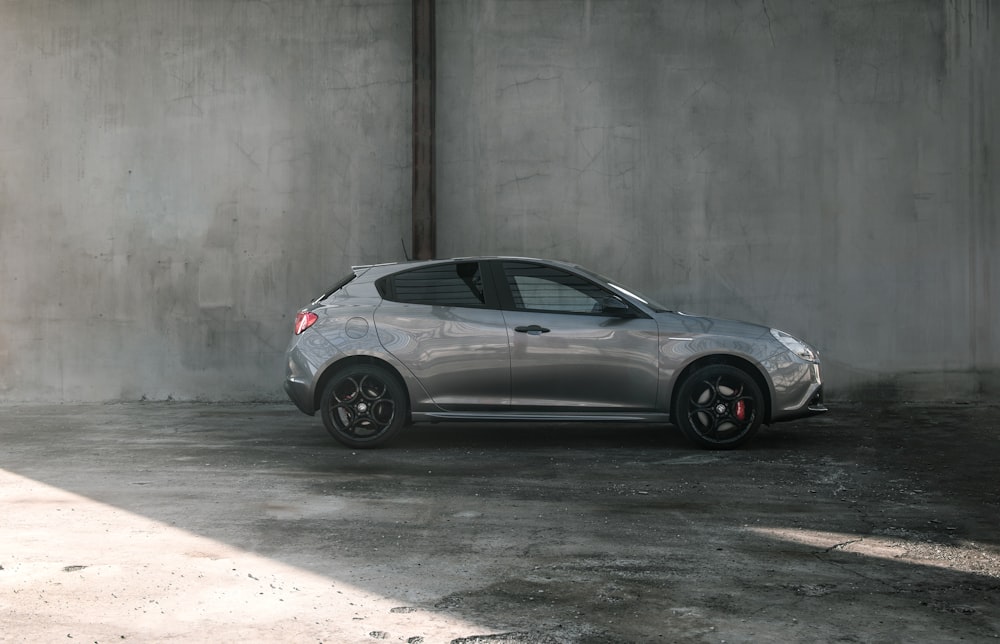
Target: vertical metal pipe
[(424, 224)]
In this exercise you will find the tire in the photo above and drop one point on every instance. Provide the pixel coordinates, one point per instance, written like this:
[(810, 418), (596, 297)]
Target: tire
[(719, 407), (363, 406)]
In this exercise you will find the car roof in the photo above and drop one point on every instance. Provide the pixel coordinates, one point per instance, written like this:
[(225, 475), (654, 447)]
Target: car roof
[(387, 268)]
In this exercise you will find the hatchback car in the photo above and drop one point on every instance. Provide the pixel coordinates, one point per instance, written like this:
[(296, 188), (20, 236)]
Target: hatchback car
[(516, 339)]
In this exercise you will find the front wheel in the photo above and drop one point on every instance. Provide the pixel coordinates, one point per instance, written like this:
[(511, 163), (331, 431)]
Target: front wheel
[(719, 407), (363, 406)]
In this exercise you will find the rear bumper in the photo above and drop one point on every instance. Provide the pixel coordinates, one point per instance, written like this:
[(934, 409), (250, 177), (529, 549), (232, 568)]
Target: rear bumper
[(301, 395)]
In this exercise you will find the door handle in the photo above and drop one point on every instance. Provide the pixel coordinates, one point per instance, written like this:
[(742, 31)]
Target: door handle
[(534, 329)]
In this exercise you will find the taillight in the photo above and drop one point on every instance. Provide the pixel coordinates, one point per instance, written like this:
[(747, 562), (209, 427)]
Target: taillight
[(304, 320)]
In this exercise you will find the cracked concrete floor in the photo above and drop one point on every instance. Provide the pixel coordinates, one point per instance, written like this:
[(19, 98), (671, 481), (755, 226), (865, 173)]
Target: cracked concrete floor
[(189, 522)]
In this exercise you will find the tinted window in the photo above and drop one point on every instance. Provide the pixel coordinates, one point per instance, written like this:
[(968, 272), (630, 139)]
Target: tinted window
[(458, 284), (545, 288)]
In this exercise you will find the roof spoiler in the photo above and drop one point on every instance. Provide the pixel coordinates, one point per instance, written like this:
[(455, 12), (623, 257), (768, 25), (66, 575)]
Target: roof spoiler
[(364, 267)]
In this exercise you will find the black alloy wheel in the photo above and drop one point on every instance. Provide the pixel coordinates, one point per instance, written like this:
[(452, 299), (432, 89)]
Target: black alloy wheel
[(719, 407), (363, 406)]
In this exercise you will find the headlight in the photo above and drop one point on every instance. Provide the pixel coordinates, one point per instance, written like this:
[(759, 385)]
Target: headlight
[(796, 346)]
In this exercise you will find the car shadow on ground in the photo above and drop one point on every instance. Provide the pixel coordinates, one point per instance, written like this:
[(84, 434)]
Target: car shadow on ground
[(538, 436)]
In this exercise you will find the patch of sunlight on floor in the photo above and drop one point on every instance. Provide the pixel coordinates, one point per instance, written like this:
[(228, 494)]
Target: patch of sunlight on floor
[(967, 557), (71, 567)]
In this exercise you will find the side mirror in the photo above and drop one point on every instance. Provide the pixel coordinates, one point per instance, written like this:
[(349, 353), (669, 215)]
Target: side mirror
[(614, 306)]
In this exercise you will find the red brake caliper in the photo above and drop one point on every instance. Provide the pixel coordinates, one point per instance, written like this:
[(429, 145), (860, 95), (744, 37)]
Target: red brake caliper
[(741, 410)]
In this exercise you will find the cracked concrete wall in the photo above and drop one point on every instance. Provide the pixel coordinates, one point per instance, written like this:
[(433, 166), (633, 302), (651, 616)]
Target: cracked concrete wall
[(178, 176), (823, 167)]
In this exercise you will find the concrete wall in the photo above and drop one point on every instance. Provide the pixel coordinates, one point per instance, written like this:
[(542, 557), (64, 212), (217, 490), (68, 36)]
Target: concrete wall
[(178, 176), (820, 166)]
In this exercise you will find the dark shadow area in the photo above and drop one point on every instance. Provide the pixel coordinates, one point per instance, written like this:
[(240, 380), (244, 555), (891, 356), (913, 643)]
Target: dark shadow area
[(867, 524), (539, 436)]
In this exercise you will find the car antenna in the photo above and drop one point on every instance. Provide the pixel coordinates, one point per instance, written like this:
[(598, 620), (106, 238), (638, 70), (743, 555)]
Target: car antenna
[(402, 243)]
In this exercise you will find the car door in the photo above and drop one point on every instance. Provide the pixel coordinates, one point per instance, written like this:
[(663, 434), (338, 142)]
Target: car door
[(574, 345), (444, 324)]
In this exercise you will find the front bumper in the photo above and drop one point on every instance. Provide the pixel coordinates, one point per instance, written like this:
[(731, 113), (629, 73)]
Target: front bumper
[(798, 390), (813, 406)]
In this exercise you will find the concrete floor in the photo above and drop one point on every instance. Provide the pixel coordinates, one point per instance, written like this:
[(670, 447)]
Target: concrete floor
[(149, 522)]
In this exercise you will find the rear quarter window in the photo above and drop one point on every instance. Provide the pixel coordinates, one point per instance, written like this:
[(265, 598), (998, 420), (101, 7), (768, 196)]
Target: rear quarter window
[(458, 284)]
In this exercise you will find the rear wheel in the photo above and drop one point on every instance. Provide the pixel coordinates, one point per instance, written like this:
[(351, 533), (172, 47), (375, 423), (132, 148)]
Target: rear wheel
[(719, 407), (363, 406)]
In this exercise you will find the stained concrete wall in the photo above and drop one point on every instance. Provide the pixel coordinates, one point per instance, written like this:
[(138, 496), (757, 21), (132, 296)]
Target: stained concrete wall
[(177, 176), (820, 166)]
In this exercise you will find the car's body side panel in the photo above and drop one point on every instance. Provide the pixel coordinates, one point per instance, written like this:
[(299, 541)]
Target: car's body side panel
[(685, 339), (345, 329), (460, 355), (582, 361)]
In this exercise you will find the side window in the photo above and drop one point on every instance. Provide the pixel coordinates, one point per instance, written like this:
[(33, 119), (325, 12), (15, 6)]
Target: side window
[(545, 288), (459, 284)]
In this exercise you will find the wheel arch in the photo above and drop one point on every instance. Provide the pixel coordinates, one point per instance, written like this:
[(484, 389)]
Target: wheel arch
[(738, 362), (333, 368)]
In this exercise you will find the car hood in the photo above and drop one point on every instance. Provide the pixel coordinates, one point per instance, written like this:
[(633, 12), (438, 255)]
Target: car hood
[(692, 325)]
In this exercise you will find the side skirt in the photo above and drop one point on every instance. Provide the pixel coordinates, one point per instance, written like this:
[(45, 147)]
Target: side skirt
[(514, 416)]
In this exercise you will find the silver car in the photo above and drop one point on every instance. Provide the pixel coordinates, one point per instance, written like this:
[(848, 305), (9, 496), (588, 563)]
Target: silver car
[(508, 338)]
